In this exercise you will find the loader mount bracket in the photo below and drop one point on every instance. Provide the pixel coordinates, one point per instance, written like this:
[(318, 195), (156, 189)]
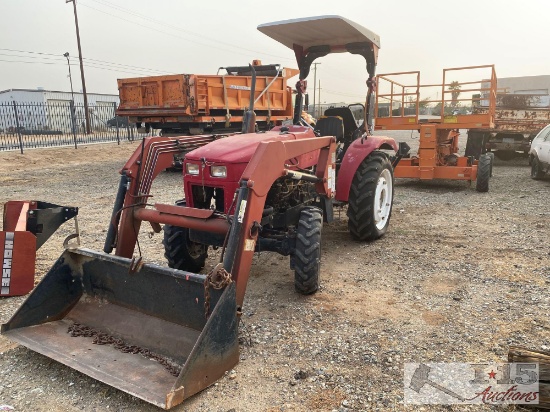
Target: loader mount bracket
[(46, 219)]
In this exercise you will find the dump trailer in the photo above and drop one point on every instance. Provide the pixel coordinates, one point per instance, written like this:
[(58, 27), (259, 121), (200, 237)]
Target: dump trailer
[(195, 104), (518, 119), (163, 334)]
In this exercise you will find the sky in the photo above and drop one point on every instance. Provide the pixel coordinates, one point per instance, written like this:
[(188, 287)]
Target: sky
[(123, 38)]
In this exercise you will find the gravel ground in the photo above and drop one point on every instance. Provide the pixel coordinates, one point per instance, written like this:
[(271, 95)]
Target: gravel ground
[(459, 277)]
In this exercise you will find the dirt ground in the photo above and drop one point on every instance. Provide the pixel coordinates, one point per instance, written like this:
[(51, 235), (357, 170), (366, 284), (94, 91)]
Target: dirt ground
[(459, 277)]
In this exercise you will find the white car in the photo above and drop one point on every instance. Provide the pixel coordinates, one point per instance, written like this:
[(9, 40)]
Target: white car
[(539, 155)]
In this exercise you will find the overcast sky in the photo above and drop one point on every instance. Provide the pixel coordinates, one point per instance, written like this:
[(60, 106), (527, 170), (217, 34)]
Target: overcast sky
[(123, 38)]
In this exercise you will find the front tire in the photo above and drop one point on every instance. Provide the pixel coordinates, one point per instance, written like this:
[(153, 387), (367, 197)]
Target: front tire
[(536, 169), (182, 253), (371, 198), (307, 258), (483, 173)]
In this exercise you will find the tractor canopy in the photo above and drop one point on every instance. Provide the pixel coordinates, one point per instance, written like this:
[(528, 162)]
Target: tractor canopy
[(313, 37)]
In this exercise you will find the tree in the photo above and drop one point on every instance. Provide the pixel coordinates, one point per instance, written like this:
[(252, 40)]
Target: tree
[(454, 87), (423, 103), (436, 110)]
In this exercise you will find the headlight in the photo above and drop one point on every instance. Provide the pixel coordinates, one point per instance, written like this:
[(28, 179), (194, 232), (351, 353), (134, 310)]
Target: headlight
[(218, 171), (192, 168)]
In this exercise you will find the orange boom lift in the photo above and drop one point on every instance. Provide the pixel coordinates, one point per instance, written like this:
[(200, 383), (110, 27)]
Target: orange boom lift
[(398, 106)]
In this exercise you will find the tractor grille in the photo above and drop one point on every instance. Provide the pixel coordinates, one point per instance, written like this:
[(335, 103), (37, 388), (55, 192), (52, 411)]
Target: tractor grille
[(207, 197)]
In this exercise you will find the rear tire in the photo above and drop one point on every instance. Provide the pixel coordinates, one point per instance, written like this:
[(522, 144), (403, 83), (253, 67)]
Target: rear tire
[(307, 258), (180, 252), (536, 170), (371, 198), (483, 173)]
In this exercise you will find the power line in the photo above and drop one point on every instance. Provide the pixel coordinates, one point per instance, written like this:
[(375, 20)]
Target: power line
[(201, 36), (87, 59), (151, 28), (21, 61), (126, 65), (92, 66), (30, 57)]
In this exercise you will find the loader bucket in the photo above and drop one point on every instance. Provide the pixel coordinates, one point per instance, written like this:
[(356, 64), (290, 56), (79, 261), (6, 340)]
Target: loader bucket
[(152, 338)]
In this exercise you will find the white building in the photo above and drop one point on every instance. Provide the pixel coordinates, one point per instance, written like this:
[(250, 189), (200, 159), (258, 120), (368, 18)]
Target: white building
[(39, 109), (40, 95), (538, 87)]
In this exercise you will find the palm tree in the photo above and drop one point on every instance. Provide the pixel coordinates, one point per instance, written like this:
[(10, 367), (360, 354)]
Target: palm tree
[(454, 87)]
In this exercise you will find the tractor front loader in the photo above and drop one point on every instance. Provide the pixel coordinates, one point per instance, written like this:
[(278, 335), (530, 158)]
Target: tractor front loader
[(152, 331)]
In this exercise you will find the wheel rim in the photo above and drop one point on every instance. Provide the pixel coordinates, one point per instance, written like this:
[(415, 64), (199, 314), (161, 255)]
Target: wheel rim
[(383, 199), (195, 249)]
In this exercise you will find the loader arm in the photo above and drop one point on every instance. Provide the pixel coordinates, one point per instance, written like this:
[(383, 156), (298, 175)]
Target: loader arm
[(268, 163), (265, 167), (154, 155)]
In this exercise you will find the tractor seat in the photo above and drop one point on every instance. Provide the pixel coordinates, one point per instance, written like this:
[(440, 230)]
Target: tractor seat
[(330, 126)]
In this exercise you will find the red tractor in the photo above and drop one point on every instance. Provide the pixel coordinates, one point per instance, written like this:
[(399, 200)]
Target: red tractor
[(267, 191), (293, 212)]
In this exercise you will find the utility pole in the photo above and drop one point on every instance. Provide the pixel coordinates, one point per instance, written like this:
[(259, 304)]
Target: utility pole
[(87, 115), (314, 85), (319, 96)]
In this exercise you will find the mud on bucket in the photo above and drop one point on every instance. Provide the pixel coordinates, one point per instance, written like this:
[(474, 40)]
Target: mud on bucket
[(144, 333)]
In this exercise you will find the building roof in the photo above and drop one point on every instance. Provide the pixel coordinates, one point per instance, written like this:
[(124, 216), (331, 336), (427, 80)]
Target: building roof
[(543, 77), (52, 91)]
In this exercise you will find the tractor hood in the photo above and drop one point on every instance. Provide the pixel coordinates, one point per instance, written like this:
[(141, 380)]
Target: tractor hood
[(240, 148)]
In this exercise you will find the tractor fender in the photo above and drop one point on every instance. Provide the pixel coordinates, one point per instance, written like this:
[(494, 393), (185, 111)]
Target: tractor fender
[(356, 153)]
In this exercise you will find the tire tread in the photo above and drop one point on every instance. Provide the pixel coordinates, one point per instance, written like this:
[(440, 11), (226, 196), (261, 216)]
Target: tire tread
[(360, 213), (308, 251)]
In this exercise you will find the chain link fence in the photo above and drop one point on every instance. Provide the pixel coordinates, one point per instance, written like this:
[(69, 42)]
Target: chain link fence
[(61, 123)]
